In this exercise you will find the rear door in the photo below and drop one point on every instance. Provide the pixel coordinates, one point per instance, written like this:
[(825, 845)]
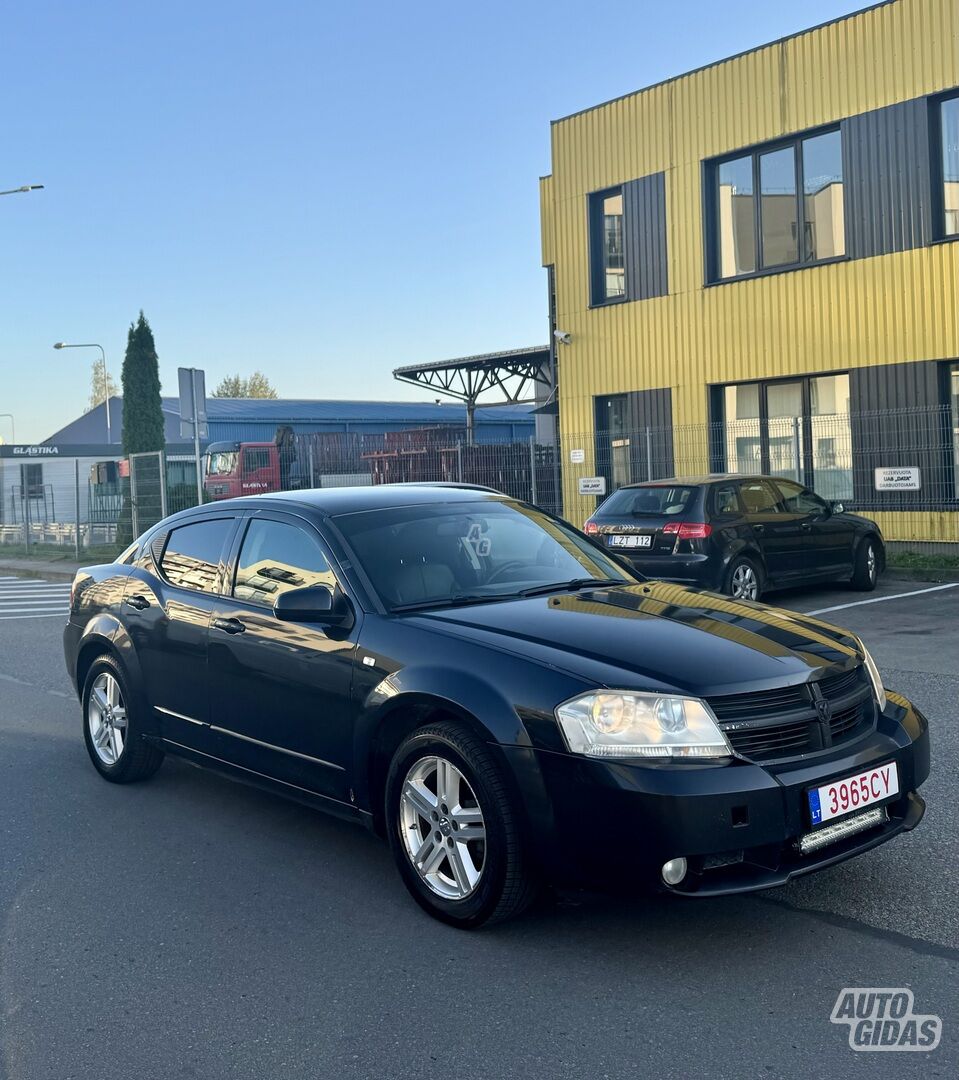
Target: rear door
[(828, 538), (281, 690), (167, 606), (777, 531)]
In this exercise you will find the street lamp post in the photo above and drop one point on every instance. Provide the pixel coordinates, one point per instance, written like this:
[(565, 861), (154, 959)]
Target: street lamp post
[(13, 426), (23, 188), (106, 378)]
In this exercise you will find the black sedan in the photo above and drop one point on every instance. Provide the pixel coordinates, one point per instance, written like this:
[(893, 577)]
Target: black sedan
[(493, 692), (740, 535)]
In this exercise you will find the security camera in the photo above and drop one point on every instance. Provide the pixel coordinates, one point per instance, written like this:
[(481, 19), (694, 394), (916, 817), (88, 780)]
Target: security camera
[(564, 337)]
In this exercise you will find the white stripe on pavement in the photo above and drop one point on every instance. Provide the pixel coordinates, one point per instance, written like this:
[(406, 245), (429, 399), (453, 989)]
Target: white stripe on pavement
[(49, 615), (880, 599)]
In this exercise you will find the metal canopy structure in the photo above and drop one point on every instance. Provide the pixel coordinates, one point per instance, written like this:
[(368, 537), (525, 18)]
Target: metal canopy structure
[(513, 377)]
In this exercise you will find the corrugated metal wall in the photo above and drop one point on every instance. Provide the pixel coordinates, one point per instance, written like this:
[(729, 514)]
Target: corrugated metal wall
[(644, 215), (887, 179), (882, 310)]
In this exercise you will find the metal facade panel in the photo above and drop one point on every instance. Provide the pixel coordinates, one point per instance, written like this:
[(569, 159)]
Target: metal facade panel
[(844, 316), (886, 175), (645, 221)]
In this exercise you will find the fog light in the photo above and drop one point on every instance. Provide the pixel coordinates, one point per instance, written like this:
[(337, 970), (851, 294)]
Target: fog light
[(674, 871)]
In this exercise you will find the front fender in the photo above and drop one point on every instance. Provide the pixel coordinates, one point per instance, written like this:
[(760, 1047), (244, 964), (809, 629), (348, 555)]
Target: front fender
[(104, 632)]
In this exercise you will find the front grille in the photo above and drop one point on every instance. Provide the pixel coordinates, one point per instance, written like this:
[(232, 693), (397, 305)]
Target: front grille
[(770, 725)]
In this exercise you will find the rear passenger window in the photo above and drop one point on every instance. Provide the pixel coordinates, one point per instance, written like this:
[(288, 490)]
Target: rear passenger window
[(726, 500), (276, 557), (192, 555)]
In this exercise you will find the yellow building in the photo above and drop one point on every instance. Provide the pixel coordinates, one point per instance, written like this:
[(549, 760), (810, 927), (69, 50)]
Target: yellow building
[(753, 268)]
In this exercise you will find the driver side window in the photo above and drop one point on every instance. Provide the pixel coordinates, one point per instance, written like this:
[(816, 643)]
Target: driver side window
[(276, 557), (800, 500)]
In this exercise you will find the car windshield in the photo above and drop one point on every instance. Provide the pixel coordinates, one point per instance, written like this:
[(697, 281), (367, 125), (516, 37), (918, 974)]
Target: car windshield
[(431, 555), (221, 463), (664, 500)]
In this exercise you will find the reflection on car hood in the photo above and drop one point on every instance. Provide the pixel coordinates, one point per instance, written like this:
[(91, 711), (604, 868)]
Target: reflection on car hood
[(658, 636)]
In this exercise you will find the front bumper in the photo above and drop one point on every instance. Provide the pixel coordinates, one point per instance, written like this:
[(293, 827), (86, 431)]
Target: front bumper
[(737, 824)]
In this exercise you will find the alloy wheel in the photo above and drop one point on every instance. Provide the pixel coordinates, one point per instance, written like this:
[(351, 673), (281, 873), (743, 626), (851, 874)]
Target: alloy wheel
[(442, 826), (107, 719), (871, 562), (745, 584)]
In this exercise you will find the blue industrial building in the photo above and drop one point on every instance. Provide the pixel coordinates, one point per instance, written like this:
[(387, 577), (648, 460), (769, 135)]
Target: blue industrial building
[(256, 420)]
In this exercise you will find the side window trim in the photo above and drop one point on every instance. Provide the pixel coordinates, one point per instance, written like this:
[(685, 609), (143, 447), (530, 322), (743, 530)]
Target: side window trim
[(233, 560)]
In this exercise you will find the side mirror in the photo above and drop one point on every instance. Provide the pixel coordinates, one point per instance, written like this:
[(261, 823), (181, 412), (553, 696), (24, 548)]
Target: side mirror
[(315, 604), (836, 507)]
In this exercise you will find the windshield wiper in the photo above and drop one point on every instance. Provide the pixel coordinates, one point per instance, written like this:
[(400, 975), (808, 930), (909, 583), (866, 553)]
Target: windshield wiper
[(571, 586), (445, 601)]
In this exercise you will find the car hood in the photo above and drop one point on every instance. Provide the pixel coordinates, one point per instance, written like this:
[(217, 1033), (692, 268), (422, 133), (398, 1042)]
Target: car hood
[(657, 636)]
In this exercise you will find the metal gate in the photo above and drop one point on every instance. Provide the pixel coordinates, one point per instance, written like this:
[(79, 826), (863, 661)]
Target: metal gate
[(148, 500)]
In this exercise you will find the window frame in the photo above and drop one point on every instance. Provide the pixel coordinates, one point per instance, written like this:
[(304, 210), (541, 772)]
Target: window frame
[(937, 171), (710, 191), (203, 519), (595, 236)]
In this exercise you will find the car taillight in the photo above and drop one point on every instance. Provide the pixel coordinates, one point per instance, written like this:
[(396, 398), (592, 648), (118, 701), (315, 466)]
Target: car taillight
[(591, 528), (688, 530)]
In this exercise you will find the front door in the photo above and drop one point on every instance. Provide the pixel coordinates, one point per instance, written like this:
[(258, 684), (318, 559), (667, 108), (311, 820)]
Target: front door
[(828, 537), (281, 690)]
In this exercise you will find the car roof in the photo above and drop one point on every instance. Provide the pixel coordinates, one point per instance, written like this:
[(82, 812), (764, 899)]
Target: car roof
[(708, 478), (331, 502)]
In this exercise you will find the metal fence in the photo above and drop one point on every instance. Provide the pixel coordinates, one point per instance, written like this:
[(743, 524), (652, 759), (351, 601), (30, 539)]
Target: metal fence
[(899, 466)]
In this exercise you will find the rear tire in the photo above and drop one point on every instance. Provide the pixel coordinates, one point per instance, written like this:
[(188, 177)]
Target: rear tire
[(744, 580), (865, 574), (111, 726), (444, 786)]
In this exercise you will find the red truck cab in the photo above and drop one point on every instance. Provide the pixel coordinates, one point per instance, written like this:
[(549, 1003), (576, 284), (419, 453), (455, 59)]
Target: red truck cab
[(234, 468)]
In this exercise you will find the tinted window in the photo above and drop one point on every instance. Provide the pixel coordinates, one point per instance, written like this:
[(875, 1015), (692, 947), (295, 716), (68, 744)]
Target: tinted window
[(256, 459), (276, 557), (758, 497), (780, 224), (421, 554), (725, 500), (736, 217), (800, 500), (949, 140), (666, 501), (192, 554)]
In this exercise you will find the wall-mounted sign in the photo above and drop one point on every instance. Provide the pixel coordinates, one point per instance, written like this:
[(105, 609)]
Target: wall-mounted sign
[(592, 485), (577, 457), (890, 478)]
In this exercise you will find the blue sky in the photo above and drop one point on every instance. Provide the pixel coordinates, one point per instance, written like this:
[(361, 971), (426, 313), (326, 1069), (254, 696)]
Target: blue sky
[(321, 191)]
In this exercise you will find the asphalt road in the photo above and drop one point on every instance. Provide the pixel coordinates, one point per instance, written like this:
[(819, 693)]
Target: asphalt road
[(193, 927)]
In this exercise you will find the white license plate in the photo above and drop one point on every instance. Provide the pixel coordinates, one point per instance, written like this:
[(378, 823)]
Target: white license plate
[(630, 541), (853, 792)]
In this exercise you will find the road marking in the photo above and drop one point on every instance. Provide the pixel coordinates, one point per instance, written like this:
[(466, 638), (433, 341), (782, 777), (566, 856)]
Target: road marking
[(16, 618), (880, 599), (33, 598)]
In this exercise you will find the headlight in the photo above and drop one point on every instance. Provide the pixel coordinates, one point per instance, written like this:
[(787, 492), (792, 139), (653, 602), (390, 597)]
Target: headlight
[(620, 724), (874, 677)]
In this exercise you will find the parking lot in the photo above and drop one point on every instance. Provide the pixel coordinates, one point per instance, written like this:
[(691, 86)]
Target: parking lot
[(194, 927)]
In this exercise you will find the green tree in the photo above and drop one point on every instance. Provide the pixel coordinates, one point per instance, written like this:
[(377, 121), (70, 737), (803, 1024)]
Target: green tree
[(235, 386), (101, 385), (142, 411)]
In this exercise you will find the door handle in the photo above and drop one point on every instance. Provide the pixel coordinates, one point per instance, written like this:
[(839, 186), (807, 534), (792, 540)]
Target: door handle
[(806, 525), (138, 603), (229, 626), (759, 528)]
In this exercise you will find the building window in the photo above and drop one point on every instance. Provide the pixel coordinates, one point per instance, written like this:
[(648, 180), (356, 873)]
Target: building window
[(607, 249), (31, 480), (797, 428), (797, 218), (948, 133), (954, 401)]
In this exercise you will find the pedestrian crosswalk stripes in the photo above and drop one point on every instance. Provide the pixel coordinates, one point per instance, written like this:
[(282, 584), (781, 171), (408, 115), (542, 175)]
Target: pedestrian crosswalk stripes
[(26, 598)]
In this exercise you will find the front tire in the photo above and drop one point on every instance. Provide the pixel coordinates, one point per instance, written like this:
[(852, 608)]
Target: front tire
[(111, 730), (454, 830), (865, 574), (744, 580)]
